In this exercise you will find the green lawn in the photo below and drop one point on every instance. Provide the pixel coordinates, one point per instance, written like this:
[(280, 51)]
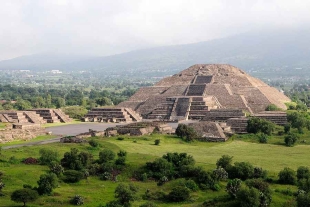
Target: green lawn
[(272, 157)]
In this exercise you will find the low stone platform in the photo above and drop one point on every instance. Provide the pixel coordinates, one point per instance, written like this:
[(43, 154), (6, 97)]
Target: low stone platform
[(111, 114), (209, 131)]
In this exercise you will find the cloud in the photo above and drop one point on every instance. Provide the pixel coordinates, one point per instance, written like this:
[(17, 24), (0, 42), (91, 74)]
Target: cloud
[(105, 27)]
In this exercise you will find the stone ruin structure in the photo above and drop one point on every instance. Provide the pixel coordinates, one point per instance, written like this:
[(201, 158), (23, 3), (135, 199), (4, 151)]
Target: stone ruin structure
[(211, 131), (200, 89), (140, 128), (111, 114), (36, 116), (239, 125), (24, 131)]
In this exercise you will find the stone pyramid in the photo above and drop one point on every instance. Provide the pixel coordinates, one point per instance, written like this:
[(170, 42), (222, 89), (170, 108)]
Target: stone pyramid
[(200, 88)]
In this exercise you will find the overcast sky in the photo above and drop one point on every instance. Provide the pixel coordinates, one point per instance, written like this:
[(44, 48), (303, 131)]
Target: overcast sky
[(106, 27)]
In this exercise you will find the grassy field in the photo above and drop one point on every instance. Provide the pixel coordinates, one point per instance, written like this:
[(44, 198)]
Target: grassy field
[(271, 157)]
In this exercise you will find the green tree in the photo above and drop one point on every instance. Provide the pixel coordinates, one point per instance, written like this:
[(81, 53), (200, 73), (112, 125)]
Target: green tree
[(47, 183), (125, 194), (287, 176), (224, 162), (241, 170), (179, 193), (290, 139), (48, 101), (24, 195), (272, 107), (233, 186), (248, 197), (256, 125), (303, 172), (106, 155), (47, 156), (303, 200)]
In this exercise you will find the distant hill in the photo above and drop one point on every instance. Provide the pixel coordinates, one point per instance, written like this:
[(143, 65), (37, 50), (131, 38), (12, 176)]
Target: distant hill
[(256, 51)]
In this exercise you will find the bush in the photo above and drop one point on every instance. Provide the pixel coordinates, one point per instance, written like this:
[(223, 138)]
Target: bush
[(287, 176), (190, 184), (106, 155), (290, 139), (233, 186), (224, 162), (30, 161), (120, 138), (56, 168), (148, 204), (77, 200), (263, 187), (287, 128), (178, 194), (241, 170), (186, 132), (303, 173), (125, 194), (262, 138), (47, 183), (72, 176), (248, 197), (157, 141), (272, 107), (304, 184), (256, 125), (220, 174), (94, 143), (47, 156), (303, 200)]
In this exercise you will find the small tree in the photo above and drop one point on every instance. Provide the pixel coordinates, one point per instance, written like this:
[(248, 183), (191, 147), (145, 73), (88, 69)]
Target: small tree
[(77, 200), (256, 125), (125, 194), (179, 193), (224, 162), (287, 176), (157, 141), (272, 107), (56, 168), (106, 155), (72, 176), (47, 156), (290, 139), (47, 183), (24, 195), (303, 173), (94, 143), (248, 197), (233, 186)]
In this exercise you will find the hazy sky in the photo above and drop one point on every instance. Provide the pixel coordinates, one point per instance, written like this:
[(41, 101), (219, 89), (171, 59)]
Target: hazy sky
[(105, 27)]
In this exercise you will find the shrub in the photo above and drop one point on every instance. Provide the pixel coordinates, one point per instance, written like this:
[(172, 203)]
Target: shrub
[(125, 194), (304, 184), (256, 125), (287, 176), (262, 138), (220, 174), (287, 128), (120, 138), (241, 170), (272, 107), (56, 168), (303, 200), (186, 132), (157, 141), (259, 173), (224, 162), (148, 204), (106, 155), (77, 200), (30, 161), (94, 143), (47, 156), (179, 193), (233, 186), (248, 197), (47, 183), (303, 173), (72, 176), (190, 184), (263, 187), (290, 139)]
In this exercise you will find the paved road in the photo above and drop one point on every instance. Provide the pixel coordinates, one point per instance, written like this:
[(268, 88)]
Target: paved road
[(74, 129)]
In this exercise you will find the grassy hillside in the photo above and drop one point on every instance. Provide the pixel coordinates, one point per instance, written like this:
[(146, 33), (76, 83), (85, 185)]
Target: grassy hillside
[(271, 157)]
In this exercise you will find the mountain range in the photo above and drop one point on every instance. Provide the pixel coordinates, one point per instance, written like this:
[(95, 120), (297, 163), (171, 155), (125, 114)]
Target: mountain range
[(260, 51)]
